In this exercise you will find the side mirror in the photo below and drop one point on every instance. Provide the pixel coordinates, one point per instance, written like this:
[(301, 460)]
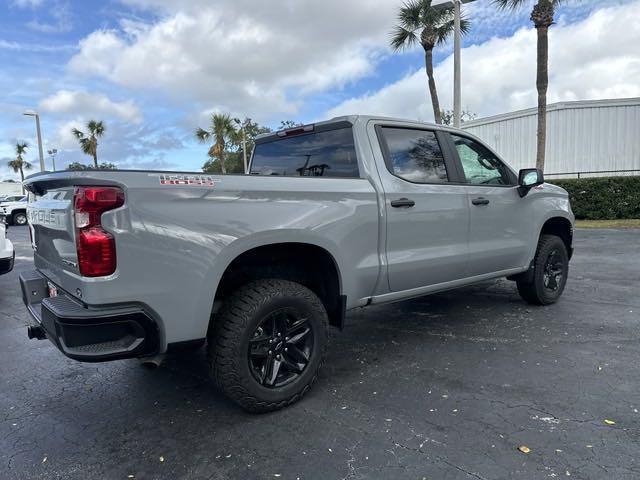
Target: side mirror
[(529, 178)]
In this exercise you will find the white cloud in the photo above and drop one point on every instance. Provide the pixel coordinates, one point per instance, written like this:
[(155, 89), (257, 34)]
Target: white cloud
[(589, 59), (27, 3), (61, 20), (90, 104), (242, 55), (33, 47)]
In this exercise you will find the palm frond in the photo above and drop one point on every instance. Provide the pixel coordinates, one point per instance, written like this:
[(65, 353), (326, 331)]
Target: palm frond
[(410, 15), (465, 25), (96, 128), (436, 16), (26, 165), (21, 148), (77, 133), (418, 15), (86, 145), (202, 135), (14, 165), (100, 129), (445, 30), (402, 39), (509, 4)]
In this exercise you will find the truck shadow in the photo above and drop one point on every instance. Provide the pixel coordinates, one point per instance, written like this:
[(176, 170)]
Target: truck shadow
[(378, 338)]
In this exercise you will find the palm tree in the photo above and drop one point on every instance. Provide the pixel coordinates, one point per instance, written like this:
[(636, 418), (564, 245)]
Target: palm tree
[(19, 164), (89, 141), (221, 130), (419, 22), (542, 18)]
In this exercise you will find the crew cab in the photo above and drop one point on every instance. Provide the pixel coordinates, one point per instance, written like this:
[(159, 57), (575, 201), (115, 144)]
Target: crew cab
[(14, 208), (334, 216)]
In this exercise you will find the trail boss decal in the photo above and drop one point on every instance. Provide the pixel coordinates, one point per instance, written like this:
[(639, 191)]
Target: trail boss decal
[(179, 179)]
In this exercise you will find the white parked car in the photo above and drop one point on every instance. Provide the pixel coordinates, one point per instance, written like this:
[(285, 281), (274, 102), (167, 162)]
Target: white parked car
[(7, 253), (14, 208)]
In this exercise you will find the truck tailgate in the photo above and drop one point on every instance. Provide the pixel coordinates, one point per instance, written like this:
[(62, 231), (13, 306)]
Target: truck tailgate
[(52, 229)]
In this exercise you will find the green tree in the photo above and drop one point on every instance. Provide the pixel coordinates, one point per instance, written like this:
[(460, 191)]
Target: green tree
[(82, 166), (89, 141), (247, 133), (233, 156), (465, 116), (285, 124), (542, 18), (19, 164), (221, 130), (420, 23)]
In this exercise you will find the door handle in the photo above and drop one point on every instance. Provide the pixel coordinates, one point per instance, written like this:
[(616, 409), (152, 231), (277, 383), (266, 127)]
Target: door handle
[(480, 201), (402, 202)]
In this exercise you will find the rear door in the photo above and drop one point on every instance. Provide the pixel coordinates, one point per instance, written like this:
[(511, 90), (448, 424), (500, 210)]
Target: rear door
[(500, 230), (427, 215)]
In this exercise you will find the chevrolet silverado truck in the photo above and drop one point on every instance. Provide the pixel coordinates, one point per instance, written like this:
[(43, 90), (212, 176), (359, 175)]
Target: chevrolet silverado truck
[(334, 216)]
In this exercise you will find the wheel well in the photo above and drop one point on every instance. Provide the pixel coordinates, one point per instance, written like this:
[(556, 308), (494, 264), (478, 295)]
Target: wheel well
[(560, 227), (307, 264)]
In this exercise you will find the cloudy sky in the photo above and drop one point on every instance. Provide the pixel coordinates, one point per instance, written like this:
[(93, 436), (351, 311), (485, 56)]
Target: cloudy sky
[(154, 69)]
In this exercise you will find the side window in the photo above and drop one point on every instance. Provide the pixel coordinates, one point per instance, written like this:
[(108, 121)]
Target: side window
[(481, 167), (414, 155)]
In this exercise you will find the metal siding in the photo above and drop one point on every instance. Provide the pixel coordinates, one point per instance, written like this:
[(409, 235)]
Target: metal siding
[(580, 138)]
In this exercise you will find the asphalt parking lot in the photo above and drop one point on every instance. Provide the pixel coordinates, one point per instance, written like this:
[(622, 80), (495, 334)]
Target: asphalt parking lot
[(442, 387)]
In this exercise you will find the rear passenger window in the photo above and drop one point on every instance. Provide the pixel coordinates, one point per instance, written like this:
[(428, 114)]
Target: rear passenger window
[(414, 155), (329, 153)]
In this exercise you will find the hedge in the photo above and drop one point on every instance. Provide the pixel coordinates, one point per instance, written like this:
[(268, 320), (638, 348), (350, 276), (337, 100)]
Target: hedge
[(603, 198)]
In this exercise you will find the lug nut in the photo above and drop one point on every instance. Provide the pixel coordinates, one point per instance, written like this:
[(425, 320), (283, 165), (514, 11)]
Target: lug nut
[(286, 349), (279, 334), (270, 352), (278, 357)]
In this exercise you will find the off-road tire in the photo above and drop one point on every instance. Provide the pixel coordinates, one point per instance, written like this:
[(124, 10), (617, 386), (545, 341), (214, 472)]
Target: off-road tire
[(534, 291), (233, 327)]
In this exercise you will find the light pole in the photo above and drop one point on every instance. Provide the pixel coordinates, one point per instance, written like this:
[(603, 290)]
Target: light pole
[(52, 153), (457, 74), (244, 142), (31, 113)]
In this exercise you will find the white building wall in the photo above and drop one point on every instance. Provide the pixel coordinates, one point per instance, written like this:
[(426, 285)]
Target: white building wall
[(582, 136), (10, 188)]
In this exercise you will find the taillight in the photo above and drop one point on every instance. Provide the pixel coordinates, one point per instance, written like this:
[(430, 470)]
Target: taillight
[(96, 247)]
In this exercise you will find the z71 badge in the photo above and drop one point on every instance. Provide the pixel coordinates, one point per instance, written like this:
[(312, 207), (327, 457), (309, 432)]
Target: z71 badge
[(182, 179)]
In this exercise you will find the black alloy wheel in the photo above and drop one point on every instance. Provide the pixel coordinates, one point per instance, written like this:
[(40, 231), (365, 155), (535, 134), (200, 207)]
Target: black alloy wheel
[(553, 271), (280, 348)]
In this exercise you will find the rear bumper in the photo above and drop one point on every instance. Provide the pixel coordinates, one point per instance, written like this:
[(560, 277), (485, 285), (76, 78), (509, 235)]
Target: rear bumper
[(87, 333)]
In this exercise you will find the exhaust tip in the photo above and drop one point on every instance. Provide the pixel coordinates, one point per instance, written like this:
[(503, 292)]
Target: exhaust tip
[(152, 363), (36, 331)]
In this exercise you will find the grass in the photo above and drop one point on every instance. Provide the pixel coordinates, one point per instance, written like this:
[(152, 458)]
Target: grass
[(625, 223)]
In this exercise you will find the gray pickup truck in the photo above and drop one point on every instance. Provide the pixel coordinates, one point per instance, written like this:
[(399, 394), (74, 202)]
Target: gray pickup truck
[(346, 213)]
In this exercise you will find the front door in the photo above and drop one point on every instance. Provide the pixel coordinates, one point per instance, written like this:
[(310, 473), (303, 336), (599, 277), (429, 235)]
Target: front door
[(427, 215), (500, 230)]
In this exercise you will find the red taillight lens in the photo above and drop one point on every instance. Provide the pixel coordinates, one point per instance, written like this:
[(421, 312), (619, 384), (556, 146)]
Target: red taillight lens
[(96, 247)]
